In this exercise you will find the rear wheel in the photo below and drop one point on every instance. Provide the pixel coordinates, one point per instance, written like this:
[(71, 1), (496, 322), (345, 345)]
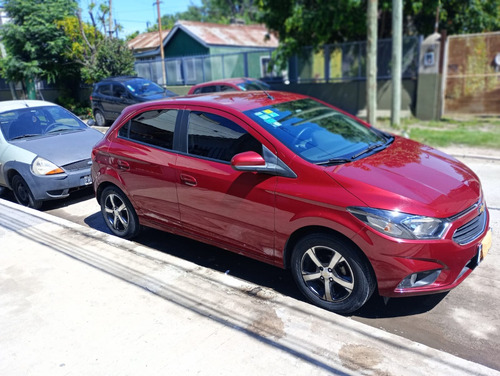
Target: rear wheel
[(331, 273), (100, 120), (23, 194), (119, 214)]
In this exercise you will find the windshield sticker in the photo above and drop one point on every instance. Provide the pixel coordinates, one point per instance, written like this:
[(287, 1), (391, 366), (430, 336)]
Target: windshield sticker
[(269, 117)]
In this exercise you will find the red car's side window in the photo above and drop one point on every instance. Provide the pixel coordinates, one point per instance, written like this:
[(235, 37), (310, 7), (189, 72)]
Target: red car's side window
[(152, 127), (213, 136)]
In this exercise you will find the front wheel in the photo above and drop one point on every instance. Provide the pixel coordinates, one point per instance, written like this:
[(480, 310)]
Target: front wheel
[(119, 214), (331, 273), (23, 194)]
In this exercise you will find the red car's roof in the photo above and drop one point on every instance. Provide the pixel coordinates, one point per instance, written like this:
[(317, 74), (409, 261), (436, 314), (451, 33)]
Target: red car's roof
[(236, 100), (234, 80)]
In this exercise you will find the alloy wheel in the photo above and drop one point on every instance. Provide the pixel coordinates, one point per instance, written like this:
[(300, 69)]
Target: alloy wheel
[(327, 274), (117, 214)]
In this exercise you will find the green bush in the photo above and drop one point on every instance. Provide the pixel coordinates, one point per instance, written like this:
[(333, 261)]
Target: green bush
[(80, 109)]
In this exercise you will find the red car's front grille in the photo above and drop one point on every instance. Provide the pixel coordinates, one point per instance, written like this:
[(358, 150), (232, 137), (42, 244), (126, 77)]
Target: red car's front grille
[(471, 230)]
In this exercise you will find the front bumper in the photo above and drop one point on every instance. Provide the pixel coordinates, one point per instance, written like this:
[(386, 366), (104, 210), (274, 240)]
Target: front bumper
[(56, 186), (441, 264)]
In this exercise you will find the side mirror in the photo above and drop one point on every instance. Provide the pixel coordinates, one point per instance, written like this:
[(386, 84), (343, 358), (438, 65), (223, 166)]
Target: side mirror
[(270, 164), (91, 122), (247, 161)]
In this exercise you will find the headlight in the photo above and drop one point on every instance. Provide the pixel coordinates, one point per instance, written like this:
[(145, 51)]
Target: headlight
[(400, 225), (42, 167)]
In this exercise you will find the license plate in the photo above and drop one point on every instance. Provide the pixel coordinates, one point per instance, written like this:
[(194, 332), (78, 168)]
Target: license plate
[(86, 180), (486, 245)]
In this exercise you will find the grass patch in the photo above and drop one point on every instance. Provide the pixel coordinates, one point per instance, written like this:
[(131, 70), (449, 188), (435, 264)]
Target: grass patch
[(461, 136), (475, 132)]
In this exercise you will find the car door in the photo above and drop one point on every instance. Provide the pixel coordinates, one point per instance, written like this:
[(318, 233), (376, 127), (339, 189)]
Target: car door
[(105, 98), (120, 99), (232, 209), (143, 157)]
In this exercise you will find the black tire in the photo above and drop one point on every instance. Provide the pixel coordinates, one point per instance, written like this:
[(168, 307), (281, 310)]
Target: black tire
[(119, 214), (331, 273), (100, 120), (22, 193)]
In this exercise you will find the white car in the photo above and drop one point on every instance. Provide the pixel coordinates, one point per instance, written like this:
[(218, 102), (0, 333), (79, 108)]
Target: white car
[(44, 151)]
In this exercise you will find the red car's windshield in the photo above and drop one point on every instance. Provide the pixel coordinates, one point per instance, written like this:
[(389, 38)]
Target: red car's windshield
[(318, 133)]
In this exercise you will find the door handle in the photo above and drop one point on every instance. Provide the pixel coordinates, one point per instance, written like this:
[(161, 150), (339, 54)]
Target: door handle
[(188, 180), (122, 165)]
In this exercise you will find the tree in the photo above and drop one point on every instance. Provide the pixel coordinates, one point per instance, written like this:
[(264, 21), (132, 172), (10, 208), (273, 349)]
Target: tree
[(112, 58), (33, 42), (312, 23), (301, 23), (97, 55), (456, 16)]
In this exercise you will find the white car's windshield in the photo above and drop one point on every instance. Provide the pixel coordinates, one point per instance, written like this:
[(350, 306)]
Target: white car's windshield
[(38, 121)]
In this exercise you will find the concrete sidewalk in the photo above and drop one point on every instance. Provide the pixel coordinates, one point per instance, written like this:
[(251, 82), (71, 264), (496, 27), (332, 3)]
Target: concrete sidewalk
[(75, 301)]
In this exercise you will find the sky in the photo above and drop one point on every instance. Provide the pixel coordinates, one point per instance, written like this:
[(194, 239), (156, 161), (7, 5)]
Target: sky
[(134, 15)]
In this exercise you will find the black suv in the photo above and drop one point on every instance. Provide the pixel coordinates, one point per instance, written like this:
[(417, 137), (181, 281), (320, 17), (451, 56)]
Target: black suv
[(111, 95)]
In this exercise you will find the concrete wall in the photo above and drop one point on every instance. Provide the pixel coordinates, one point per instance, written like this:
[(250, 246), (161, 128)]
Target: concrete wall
[(348, 96), (351, 96)]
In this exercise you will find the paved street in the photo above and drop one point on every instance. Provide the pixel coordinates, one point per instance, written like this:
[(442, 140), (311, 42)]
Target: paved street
[(464, 322)]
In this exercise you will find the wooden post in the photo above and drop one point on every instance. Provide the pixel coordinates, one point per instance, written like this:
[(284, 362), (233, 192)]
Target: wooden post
[(160, 36)]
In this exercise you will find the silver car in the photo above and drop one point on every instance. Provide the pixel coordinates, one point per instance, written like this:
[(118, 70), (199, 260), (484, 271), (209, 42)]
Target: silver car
[(44, 151)]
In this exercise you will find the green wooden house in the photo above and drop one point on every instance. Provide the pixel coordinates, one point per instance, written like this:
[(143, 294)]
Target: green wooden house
[(197, 51)]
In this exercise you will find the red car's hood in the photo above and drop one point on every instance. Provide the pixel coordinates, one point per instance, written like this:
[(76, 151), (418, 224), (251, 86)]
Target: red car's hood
[(412, 178)]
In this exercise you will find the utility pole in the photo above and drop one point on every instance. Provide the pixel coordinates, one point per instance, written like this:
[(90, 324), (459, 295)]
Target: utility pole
[(397, 31), (371, 62), (160, 36), (110, 21)]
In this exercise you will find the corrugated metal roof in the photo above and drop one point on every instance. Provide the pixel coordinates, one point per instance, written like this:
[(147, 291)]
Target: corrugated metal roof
[(147, 41), (230, 35)]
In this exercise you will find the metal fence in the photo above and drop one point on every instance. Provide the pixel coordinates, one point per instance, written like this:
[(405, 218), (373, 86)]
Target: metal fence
[(332, 63), (347, 62), (190, 70)]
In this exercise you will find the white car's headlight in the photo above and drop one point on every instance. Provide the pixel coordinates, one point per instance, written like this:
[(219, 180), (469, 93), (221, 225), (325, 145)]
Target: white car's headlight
[(401, 225), (42, 167)]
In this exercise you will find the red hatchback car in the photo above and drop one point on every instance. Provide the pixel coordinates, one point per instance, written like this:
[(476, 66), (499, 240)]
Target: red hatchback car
[(229, 84), (294, 182)]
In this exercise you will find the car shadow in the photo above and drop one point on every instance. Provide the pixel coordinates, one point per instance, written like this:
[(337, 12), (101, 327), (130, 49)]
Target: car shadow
[(221, 260), (262, 274), (75, 197), (377, 307)]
